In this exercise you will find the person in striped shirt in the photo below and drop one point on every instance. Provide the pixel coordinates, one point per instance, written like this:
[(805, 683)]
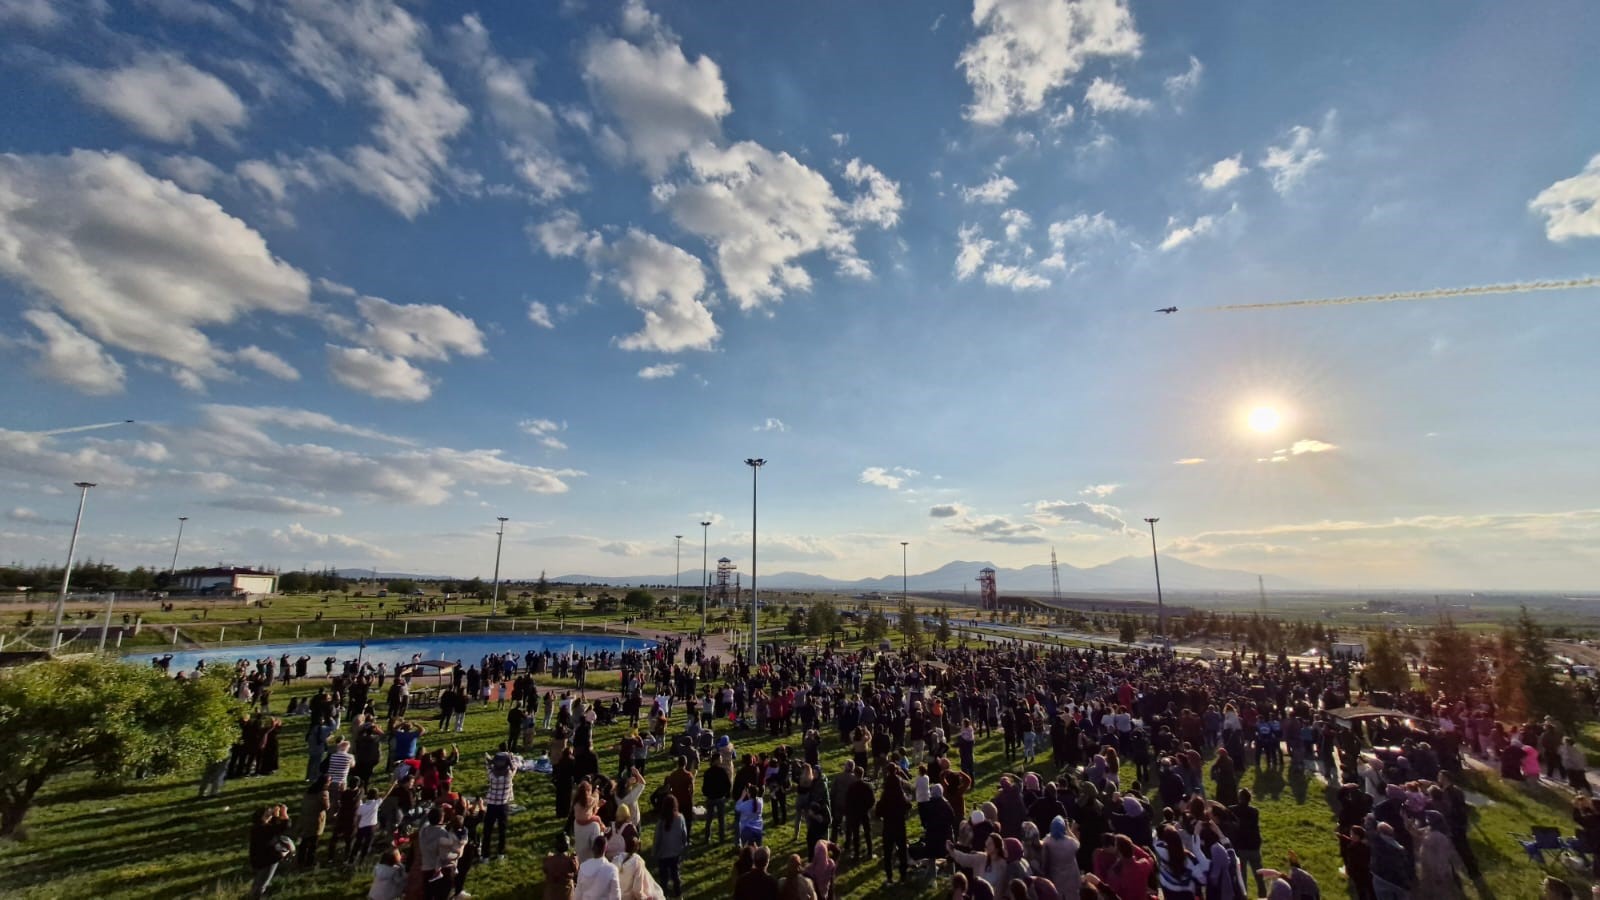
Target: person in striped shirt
[(340, 761)]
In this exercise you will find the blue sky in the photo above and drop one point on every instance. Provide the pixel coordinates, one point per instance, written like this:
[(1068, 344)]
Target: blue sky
[(369, 275)]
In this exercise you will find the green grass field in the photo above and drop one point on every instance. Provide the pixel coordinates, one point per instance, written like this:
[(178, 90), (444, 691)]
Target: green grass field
[(154, 839)]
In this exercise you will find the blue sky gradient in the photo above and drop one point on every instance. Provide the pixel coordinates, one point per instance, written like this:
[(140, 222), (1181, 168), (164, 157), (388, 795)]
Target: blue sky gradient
[(370, 274)]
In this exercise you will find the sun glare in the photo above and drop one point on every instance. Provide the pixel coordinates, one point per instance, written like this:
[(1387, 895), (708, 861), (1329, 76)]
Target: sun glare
[(1264, 419)]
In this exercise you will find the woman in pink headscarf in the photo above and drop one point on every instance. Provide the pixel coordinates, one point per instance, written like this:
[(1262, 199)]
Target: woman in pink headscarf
[(823, 869)]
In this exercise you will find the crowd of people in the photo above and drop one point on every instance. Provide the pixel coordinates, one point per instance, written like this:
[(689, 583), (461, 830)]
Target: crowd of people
[(1119, 775)]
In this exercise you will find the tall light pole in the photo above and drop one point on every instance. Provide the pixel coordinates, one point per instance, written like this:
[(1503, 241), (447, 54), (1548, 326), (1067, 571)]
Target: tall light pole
[(677, 569), (499, 540), (903, 545), (705, 576), (173, 569), (66, 574), (1161, 609), (755, 597)]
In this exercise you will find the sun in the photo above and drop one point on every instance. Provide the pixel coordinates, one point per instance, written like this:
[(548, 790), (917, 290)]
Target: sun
[(1264, 419)]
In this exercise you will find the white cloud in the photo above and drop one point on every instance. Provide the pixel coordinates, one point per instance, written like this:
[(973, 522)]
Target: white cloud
[(191, 172), (238, 440), (135, 261), (665, 283), (73, 358), (761, 211), (663, 103), (299, 539), (974, 247), (1178, 235), (1183, 84), (275, 505), (1105, 96), (546, 430), (622, 548), (948, 510), (268, 362), (372, 51), (839, 138), (1311, 446), (250, 422), (563, 235), (771, 424), (996, 190), (1017, 222), (1100, 490), (378, 374), (1027, 49), (662, 370), (1223, 173), (539, 314), (881, 477), (1056, 512), (1189, 461), (40, 15), (1301, 152), (529, 124), (161, 97), (1571, 206), (418, 330), (998, 529), (879, 202), (1018, 278)]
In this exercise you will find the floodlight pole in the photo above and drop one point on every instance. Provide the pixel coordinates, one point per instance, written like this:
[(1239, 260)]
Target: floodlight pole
[(705, 576), (755, 596), (1161, 609), (499, 540), (66, 574)]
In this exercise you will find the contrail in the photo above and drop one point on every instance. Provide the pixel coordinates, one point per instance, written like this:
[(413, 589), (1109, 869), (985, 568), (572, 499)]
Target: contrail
[(83, 428), (1516, 287)]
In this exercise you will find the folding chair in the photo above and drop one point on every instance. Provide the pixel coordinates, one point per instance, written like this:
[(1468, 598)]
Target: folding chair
[(1544, 838)]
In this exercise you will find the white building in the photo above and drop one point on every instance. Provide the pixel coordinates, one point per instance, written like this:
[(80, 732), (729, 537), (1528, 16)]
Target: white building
[(228, 580)]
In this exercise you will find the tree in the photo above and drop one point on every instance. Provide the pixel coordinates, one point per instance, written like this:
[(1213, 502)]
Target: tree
[(402, 586), (475, 588), (1126, 630), (110, 716), (639, 599), (1452, 660), (941, 635), (876, 627), (1386, 666), (822, 619), (540, 604), (910, 626), (294, 583), (797, 622), (541, 587), (1545, 695)]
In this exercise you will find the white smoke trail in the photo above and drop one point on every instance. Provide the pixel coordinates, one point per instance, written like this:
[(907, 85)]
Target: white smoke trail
[(1517, 287), (84, 428)]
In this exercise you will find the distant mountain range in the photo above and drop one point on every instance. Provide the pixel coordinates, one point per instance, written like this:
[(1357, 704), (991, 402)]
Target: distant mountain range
[(1129, 573)]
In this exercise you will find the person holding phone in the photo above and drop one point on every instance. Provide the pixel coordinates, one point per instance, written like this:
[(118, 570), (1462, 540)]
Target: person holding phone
[(749, 813)]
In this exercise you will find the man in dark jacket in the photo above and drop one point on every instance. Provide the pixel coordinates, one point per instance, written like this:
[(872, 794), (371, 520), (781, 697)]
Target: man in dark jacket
[(857, 822), (716, 787), (1247, 836), (892, 809), (757, 884), (837, 793)]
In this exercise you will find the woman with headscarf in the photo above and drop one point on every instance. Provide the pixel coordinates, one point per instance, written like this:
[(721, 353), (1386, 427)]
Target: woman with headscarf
[(823, 869), (1128, 878), (1059, 858), (1180, 871), (988, 866), (1091, 818), (1046, 808), (634, 878), (586, 824), (1439, 867), (797, 886), (1226, 777)]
